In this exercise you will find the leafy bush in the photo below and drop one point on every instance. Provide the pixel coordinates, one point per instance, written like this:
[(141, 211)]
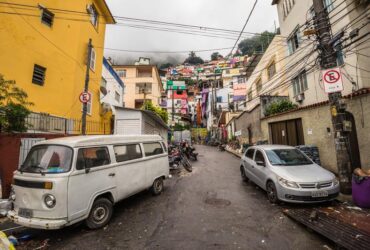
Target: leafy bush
[(13, 107), (179, 127), (148, 105), (279, 107), (15, 118)]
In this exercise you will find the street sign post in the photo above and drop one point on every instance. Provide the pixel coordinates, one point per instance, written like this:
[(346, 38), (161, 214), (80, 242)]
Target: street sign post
[(332, 79), (85, 97)]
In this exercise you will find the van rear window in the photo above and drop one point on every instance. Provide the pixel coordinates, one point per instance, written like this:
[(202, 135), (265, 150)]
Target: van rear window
[(92, 157), (127, 152), (153, 148)]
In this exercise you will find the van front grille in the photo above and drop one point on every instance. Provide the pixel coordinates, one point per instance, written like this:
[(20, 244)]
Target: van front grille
[(29, 184)]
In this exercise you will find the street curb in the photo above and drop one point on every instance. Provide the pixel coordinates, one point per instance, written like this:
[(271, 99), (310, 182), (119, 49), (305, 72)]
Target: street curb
[(234, 153), (9, 227)]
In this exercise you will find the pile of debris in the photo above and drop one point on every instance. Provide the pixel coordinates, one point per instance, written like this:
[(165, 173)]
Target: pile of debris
[(346, 225), (362, 173)]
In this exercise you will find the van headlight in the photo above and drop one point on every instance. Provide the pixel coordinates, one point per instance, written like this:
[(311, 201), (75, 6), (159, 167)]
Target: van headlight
[(12, 195), (286, 183), (50, 201)]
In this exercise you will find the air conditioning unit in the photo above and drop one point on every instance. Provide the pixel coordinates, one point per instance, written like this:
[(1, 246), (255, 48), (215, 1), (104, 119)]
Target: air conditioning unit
[(300, 97), (105, 107)]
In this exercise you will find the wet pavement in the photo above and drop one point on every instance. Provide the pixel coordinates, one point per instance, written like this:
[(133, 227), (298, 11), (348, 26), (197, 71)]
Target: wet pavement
[(210, 208)]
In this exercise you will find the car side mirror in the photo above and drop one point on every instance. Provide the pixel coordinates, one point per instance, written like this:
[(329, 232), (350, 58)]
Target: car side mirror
[(260, 163)]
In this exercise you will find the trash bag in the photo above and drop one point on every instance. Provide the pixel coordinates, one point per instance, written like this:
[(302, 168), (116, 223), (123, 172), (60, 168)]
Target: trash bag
[(5, 243), (361, 190)]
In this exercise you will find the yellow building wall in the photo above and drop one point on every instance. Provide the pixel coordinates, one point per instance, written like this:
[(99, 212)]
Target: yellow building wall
[(61, 49)]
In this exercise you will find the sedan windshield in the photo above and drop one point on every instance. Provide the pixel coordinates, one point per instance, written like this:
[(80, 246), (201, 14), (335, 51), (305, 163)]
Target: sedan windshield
[(287, 157), (48, 159)]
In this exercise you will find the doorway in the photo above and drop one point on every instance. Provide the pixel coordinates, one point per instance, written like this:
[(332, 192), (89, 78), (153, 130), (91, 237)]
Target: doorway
[(288, 132)]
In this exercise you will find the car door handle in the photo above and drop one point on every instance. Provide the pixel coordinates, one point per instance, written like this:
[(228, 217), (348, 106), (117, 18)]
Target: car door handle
[(112, 174)]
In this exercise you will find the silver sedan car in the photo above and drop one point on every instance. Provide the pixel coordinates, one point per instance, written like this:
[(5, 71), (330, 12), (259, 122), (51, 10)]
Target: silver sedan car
[(288, 175)]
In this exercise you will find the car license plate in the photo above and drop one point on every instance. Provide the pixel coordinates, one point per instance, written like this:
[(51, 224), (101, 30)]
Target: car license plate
[(25, 212), (319, 194)]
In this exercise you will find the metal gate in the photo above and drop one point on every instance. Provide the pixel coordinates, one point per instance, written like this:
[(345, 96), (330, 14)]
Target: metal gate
[(26, 145)]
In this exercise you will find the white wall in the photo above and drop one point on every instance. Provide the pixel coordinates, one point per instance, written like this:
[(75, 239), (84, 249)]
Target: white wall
[(128, 122), (112, 87)]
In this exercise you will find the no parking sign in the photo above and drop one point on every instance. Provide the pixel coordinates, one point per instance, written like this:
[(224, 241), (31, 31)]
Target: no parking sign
[(85, 97), (332, 80)]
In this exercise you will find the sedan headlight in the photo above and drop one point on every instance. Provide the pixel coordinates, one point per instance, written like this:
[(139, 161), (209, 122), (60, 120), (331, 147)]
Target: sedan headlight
[(50, 201), (286, 183), (335, 182)]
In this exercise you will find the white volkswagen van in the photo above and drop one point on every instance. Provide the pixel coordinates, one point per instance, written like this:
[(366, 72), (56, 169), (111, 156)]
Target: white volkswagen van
[(67, 180)]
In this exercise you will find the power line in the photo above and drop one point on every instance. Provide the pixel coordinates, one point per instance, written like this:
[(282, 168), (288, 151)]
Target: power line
[(289, 69), (202, 32), (245, 24), (164, 52), (280, 44), (130, 19)]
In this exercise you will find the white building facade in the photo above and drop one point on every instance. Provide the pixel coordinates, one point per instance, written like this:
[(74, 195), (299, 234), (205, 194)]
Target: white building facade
[(302, 69), (112, 88)]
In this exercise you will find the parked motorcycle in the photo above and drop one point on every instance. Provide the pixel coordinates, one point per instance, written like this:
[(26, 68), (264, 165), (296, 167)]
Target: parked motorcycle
[(221, 147), (189, 151), (177, 158)]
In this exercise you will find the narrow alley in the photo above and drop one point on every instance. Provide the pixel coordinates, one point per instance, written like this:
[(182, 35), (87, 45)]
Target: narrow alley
[(210, 208)]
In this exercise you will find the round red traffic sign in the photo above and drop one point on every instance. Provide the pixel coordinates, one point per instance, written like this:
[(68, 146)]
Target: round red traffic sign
[(85, 97), (332, 76)]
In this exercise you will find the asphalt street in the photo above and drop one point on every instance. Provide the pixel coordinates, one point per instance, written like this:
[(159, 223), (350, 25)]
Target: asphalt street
[(210, 208)]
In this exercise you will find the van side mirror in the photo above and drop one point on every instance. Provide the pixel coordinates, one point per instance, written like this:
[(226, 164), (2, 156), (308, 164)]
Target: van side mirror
[(260, 163)]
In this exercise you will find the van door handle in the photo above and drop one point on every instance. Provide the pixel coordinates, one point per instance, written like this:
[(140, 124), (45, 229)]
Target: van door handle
[(112, 174)]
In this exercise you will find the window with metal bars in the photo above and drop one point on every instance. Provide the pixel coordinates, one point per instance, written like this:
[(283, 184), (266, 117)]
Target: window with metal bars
[(38, 76), (47, 17)]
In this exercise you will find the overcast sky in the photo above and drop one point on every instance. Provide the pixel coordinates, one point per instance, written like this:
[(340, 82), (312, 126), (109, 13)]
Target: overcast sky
[(225, 14)]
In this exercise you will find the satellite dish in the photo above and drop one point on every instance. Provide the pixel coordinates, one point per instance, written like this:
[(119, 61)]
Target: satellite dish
[(103, 90)]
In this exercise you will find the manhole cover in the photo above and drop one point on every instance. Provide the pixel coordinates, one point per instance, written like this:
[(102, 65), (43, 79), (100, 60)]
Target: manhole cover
[(217, 202)]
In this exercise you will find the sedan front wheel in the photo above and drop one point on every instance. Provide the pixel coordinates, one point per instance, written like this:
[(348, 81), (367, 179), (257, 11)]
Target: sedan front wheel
[(243, 175), (272, 193)]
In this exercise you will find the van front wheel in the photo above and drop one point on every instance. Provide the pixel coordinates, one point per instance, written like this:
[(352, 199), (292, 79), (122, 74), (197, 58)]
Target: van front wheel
[(100, 214), (157, 186)]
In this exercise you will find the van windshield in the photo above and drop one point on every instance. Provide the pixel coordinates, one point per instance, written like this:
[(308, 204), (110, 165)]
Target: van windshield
[(48, 159)]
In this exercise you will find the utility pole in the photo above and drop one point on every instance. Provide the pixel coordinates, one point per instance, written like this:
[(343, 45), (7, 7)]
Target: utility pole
[(173, 104), (86, 87), (337, 106), (144, 92)]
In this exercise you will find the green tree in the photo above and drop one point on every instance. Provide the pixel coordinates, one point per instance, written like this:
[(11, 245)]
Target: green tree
[(257, 43), (148, 105), (180, 127), (188, 81), (193, 59), (165, 65), (215, 56), (13, 107)]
